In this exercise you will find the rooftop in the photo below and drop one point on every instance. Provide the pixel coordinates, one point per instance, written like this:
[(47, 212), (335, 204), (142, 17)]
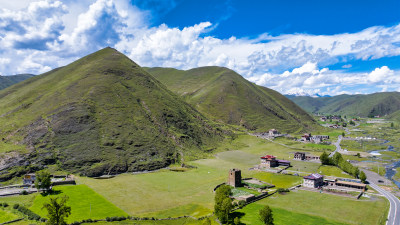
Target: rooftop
[(268, 157), (313, 176)]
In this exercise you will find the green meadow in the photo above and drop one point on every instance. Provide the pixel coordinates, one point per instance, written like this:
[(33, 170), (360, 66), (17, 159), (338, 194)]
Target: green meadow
[(172, 193), (305, 207), (84, 202)]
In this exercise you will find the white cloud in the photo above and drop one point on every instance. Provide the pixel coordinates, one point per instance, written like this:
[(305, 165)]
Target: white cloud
[(383, 74)]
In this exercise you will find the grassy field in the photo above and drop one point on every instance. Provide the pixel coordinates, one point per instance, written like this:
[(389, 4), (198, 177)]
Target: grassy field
[(249, 215), (279, 180), (333, 171), (190, 192), (6, 216), (316, 208), (84, 202), (185, 221)]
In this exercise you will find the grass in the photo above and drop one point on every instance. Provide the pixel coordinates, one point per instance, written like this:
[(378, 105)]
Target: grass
[(78, 115), (317, 208), (25, 200), (185, 221), (333, 171), (380, 170), (210, 90), (84, 202), (190, 192), (249, 215), (303, 166), (6, 216), (279, 180), (320, 147)]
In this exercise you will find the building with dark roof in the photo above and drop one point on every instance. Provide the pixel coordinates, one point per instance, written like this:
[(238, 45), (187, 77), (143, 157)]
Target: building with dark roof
[(313, 180)]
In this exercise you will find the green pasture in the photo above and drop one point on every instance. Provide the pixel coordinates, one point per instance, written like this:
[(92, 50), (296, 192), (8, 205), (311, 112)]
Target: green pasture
[(333, 171), (304, 166), (249, 215), (318, 208), (84, 202), (168, 193), (6, 216), (279, 180)]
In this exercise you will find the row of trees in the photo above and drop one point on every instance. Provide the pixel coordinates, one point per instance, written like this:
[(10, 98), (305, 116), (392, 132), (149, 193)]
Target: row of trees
[(337, 160)]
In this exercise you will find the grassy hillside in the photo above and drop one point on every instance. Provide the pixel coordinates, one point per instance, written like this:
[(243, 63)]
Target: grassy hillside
[(6, 81), (225, 96), (382, 104), (101, 114)]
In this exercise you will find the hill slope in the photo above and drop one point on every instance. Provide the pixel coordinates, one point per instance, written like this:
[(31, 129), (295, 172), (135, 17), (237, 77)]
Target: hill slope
[(382, 104), (101, 114), (6, 81), (224, 95)]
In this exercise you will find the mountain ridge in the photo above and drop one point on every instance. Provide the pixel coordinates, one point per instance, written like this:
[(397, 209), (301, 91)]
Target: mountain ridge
[(102, 114), (369, 105), (224, 95), (6, 81)]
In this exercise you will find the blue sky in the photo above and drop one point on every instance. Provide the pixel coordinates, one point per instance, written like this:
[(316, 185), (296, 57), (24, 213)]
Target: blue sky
[(295, 47)]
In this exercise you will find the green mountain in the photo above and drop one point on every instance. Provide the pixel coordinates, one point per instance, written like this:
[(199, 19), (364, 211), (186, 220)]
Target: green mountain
[(381, 104), (101, 114), (6, 81), (225, 96)]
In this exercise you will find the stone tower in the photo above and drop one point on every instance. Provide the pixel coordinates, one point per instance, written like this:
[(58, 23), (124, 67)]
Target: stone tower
[(235, 178)]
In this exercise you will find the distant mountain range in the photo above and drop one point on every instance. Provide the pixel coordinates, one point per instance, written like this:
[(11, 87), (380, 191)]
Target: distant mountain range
[(377, 104), (6, 81), (225, 96)]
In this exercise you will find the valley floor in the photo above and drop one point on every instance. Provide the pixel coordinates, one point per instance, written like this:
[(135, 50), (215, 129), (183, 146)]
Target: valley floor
[(168, 193)]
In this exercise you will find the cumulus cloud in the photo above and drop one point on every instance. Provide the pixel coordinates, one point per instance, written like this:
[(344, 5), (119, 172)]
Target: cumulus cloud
[(309, 80), (42, 34)]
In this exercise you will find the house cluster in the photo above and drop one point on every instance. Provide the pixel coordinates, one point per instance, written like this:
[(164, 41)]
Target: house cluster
[(305, 157), (307, 137), (336, 126), (326, 118), (30, 178), (316, 180), (270, 161)]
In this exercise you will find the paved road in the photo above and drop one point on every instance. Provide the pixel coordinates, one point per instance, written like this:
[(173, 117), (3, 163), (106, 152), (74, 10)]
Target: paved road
[(394, 211), (337, 144)]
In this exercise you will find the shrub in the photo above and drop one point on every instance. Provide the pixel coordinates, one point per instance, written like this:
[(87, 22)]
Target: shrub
[(31, 215), (16, 206), (24, 192), (5, 204), (282, 190)]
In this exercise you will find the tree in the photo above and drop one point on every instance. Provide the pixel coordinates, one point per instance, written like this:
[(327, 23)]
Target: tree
[(43, 180), (266, 215), (223, 204), (57, 211), (324, 158), (236, 221), (337, 157), (362, 176), (343, 134), (225, 210), (392, 124), (358, 155)]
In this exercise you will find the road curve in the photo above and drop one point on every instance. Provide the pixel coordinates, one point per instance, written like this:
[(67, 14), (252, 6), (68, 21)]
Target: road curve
[(394, 211)]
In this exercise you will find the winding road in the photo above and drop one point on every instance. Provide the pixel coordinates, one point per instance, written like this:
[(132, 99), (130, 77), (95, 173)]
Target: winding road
[(394, 211)]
